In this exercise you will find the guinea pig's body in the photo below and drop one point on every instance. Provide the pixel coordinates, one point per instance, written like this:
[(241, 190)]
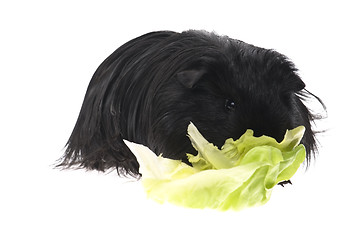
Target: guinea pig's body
[(152, 87)]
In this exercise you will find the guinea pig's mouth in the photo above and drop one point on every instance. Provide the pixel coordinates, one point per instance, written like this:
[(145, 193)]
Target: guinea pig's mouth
[(276, 133), (180, 151), (278, 137)]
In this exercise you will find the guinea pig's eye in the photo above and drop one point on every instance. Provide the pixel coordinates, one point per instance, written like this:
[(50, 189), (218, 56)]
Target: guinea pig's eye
[(229, 105)]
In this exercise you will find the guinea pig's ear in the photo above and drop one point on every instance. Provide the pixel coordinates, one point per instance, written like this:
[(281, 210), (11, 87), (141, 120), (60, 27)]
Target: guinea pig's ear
[(189, 78)]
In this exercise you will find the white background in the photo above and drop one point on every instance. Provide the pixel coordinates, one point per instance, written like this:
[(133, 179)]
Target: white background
[(48, 53)]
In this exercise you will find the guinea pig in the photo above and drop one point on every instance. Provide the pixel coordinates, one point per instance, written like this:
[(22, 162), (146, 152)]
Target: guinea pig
[(153, 86)]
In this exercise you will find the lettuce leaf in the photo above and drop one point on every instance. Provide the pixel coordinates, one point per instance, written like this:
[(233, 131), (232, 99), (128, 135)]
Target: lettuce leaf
[(241, 174)]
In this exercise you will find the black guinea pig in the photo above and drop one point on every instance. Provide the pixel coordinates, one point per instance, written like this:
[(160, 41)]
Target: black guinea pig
[(153, 86)]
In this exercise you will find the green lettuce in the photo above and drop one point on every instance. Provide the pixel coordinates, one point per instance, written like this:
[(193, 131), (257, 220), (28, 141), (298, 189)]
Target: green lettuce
[(240, 174)]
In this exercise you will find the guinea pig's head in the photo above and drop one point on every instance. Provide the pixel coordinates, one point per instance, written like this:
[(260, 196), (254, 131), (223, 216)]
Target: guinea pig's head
[(226, 93)]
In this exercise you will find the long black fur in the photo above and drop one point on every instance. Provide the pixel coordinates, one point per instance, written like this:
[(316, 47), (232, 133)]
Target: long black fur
[(150, 88)]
